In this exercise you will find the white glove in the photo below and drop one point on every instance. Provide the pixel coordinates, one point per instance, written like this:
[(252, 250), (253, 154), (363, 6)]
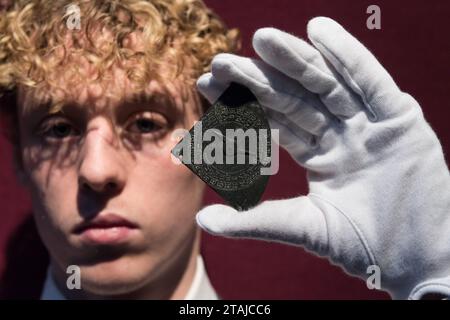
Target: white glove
[(379, 185)]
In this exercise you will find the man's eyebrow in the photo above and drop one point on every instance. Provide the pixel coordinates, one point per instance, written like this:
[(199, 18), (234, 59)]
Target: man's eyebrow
[(41, 106), (49, 107), (144, 97), (157, 100), (38, 110)]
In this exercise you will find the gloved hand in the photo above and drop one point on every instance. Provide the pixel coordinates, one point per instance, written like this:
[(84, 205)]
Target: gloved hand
[(379, 187)]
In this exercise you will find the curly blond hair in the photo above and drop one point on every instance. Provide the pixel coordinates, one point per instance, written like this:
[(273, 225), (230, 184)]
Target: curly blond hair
[(37, 47)]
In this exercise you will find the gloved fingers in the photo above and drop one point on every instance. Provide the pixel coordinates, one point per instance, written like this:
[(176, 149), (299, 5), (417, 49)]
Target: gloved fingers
[(295, 221), (358, 66), (273, 90), (295, 140), (304, 63)]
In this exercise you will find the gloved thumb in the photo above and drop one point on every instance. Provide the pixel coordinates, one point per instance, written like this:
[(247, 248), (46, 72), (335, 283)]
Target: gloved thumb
[(296, 221)]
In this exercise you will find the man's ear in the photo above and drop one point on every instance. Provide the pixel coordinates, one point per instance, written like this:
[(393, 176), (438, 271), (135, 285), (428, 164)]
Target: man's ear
[(22, 177), (9, 125), (19, 170)]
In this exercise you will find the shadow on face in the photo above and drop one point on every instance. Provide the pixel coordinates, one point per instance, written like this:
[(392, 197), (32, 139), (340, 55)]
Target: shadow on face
[(106, 194)]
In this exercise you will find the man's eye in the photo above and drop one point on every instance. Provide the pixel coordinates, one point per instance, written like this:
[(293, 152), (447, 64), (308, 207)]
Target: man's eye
[(144, 125), (59, 130)]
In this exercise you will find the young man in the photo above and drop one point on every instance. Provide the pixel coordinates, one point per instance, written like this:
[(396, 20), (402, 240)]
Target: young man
[(93, 109), (93, 121)]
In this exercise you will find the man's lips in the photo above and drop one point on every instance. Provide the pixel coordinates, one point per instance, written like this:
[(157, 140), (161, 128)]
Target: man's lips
[(107, 229)]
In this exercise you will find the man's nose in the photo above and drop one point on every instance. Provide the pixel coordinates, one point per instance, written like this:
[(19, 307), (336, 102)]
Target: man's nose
[(102, 168)]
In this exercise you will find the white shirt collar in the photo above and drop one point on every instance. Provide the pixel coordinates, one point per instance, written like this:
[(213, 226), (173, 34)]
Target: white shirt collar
[(201, 288)]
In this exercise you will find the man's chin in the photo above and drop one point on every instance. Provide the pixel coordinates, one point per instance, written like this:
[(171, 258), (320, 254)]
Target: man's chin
[(110, 288), (115, 278)]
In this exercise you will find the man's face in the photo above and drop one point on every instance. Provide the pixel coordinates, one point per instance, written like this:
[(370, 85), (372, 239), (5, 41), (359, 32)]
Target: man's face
[(106, 194)]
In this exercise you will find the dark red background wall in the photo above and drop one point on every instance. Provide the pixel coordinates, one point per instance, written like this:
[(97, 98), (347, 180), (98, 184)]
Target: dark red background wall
[(413, 45)]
